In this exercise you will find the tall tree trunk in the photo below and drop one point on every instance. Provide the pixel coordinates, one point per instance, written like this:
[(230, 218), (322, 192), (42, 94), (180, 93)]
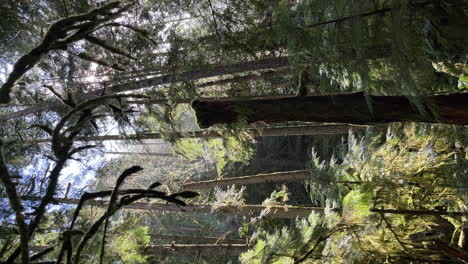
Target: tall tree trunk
[(275, 177), (194, 250), (193, 231), (351, 108), (140, 153), (198, 239), (320, 129), (245, 210), (274, 163), (250, 77), (210, 71), (418, 212)]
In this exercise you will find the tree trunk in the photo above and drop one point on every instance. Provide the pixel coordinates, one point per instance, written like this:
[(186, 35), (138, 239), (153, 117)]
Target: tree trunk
[(141, 154), (351, 108), (276, 177), (198, 239), (245, 210), (255, 76), (194, 250), (418, 212), (210, 71), (274, 163), (321, 129), (193, 231)]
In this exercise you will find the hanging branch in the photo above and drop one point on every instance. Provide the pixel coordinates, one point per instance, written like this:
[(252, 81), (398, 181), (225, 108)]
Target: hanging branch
[(141, 32), (103, 44), (16, 206), (62, 147), (60, 34), (127, 200), (111, 205), (41, 254)]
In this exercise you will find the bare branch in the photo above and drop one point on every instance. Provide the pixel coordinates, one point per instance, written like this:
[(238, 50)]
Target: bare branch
[(16, 206), (103, 44)]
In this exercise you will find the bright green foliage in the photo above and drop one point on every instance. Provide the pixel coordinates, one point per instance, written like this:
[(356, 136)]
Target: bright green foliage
[(216, 148), (129, 245), (413, 167), (304, 239), (189, 148), (278, 197), (229, 149), (356, 204)]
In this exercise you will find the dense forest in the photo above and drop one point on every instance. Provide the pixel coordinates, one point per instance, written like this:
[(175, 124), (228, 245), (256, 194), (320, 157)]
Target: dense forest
[(223, 131)]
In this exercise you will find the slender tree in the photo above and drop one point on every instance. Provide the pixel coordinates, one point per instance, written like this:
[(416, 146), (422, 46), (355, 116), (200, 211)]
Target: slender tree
[(198, 239), (198, 249), (245, 210), (275, 177), (320, 129)]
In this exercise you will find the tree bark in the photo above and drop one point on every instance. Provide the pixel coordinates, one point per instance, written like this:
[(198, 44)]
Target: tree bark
[(276, 177), (194, 231), (245, 210), (212, 71), (203, 250), (141, 153), (274, 163), (418, 212), (321, 129), (199, 239), (351, 108)]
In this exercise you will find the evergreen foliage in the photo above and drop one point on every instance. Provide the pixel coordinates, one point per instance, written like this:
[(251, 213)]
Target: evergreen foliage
[(71, 69)]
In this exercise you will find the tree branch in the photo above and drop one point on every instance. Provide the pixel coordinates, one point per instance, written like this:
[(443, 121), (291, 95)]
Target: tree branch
[(16, 206)]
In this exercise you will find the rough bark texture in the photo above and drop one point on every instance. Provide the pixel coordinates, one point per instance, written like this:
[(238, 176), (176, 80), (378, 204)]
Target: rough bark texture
[(229, 250), (276, 177), (351, 108), (246, 210)]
